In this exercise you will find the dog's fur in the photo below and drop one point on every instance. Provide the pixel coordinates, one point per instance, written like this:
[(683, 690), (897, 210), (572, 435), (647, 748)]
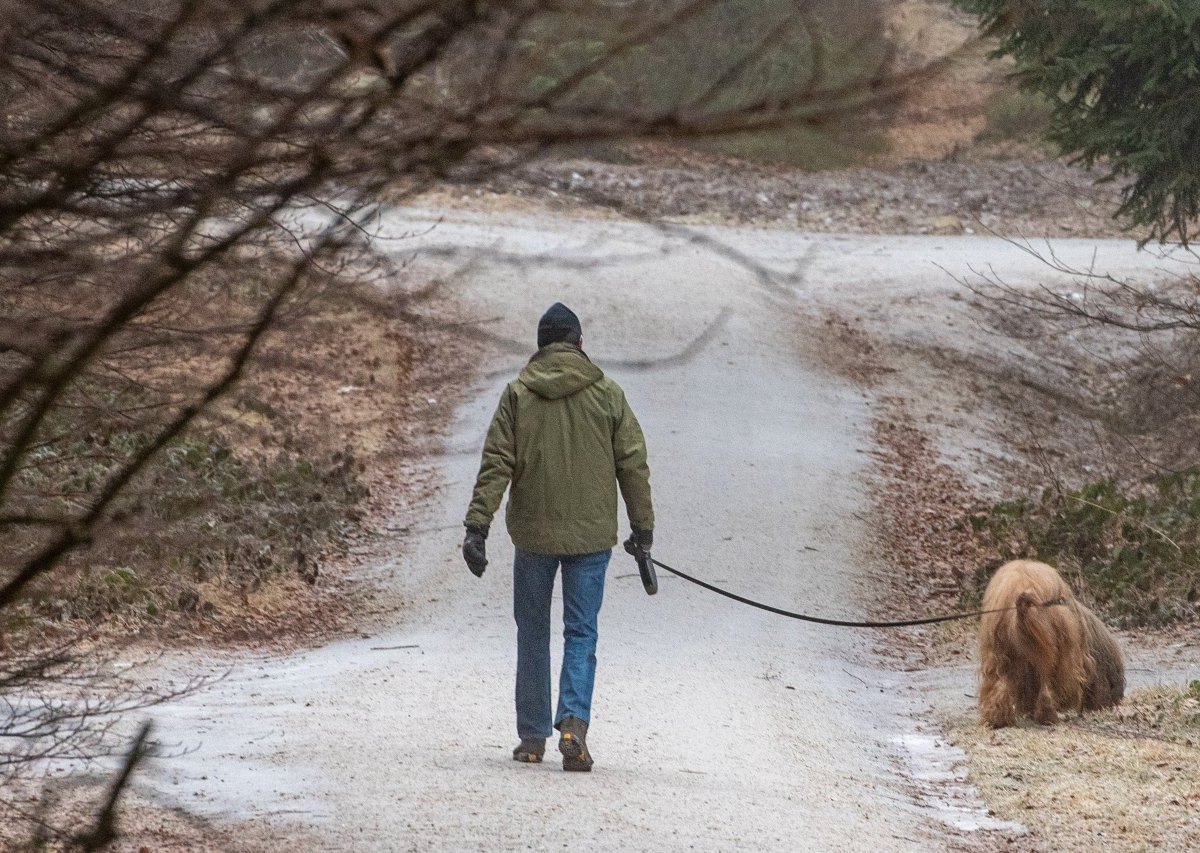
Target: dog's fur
[(1105, 686), (1037, 660)]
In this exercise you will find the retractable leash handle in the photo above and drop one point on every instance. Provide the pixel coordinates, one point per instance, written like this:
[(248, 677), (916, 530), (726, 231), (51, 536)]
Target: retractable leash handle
[(645, 568)]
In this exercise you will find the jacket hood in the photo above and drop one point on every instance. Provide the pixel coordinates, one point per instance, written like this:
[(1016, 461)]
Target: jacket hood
[(559, 370)]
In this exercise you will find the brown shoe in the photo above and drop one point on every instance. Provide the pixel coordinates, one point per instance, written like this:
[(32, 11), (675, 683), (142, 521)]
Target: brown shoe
[(530, 750), (572, 743)]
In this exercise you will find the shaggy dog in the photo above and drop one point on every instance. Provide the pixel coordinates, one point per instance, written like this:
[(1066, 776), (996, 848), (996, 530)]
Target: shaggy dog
[(1046, 653)]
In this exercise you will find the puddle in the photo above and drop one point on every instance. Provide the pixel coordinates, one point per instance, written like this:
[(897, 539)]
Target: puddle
[(939, 773)]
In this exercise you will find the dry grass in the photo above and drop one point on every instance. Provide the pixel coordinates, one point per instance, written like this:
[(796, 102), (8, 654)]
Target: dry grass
[(1123, 779)]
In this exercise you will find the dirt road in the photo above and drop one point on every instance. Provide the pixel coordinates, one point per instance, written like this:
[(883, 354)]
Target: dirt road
[(716, 727)]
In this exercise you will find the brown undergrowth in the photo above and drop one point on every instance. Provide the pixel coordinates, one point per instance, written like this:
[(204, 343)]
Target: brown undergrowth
[(248, 526)]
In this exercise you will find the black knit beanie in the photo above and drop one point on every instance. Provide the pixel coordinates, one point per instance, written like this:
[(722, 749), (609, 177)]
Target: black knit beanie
[(559, 323)]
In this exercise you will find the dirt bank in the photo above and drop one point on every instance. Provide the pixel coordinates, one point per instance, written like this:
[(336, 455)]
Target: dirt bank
[(964, 418)]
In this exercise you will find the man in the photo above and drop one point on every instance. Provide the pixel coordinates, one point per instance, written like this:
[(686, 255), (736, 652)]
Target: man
[(565, 437)]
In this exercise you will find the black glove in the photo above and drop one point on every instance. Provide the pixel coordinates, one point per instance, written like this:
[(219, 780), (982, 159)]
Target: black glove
[(639, 540), (474, 549)]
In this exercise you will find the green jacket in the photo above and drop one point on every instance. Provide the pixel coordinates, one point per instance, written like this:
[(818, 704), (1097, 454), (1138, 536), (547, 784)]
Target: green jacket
[(565, 437)]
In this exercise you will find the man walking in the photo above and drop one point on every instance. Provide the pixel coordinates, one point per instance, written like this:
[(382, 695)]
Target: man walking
[(565, 438)]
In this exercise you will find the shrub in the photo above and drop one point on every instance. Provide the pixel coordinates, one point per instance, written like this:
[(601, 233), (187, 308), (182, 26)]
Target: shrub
[(1136, 557)]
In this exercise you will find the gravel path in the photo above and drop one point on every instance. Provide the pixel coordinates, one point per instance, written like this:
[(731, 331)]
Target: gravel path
[(716, 727)]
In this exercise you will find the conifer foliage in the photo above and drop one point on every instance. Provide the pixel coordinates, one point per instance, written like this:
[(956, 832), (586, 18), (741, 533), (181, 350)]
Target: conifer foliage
[(1124, 80)]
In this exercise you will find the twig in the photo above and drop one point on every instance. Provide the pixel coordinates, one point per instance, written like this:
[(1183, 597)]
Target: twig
[(855, 677), (1144, 524)]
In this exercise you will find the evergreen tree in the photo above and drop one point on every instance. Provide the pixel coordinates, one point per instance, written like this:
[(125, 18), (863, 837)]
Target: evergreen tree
[(1124, 80)]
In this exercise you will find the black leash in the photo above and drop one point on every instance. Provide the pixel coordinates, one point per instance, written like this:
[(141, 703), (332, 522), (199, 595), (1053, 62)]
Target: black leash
[(843, 623)]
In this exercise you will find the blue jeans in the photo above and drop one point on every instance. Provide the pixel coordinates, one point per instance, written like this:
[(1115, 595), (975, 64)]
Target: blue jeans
[(583, 593)]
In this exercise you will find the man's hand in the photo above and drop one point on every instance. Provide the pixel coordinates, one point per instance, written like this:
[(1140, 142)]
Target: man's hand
[(639, 540), (474, 549)]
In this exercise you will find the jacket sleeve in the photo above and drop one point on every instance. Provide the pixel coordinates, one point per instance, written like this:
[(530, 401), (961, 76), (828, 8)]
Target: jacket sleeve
[(496, 468), (633, 469)]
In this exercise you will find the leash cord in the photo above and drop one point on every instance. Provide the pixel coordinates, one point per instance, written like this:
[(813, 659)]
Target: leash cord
[(842, 623)]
